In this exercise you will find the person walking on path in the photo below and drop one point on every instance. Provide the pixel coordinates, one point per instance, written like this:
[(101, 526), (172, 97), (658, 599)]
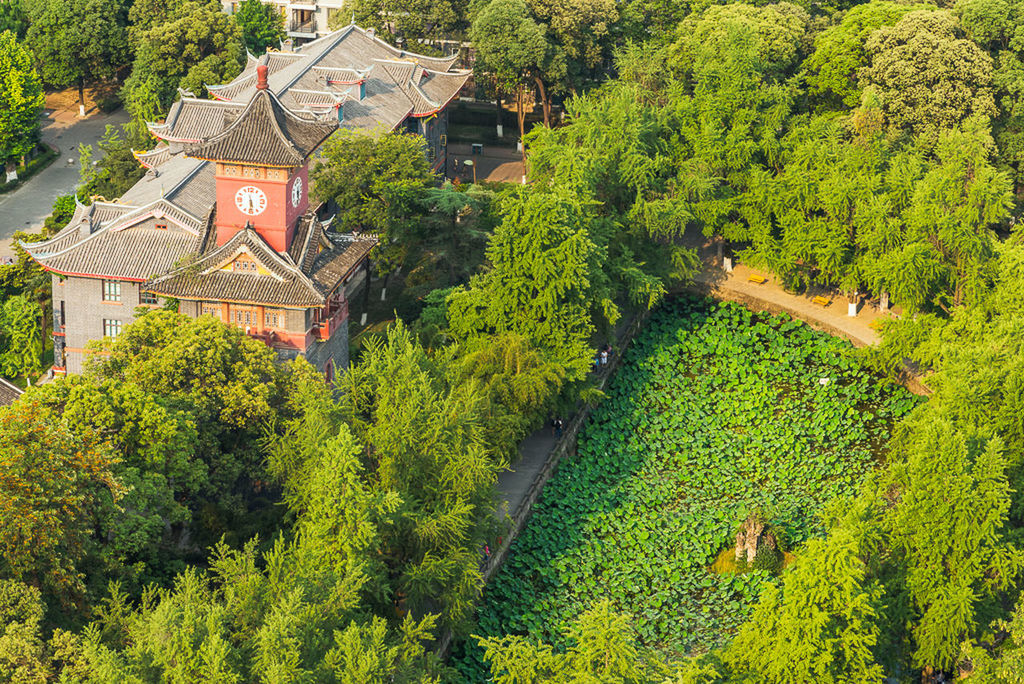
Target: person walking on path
[(556, 427)]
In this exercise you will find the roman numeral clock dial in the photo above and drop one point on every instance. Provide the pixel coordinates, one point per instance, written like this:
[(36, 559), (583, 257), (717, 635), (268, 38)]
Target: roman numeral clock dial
[(251, 200), (296, 192)]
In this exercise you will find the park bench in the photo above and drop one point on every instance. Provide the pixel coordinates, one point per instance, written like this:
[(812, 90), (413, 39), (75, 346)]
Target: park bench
[(759, 279), (823, 301)]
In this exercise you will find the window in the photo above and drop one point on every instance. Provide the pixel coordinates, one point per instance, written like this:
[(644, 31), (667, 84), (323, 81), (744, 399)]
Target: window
[(147, 297), (111, 328), (209, 309), (161, 226), (243, 316), (241, 265), (111, 291), (273, 318)]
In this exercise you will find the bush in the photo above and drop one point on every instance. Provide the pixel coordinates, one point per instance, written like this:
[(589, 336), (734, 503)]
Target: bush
[(45, 155)]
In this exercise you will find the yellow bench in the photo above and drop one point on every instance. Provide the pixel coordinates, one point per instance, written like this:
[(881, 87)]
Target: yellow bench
[(759, 279), (824, 301)]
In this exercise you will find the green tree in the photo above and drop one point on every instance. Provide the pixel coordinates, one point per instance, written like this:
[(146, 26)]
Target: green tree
[(262, 25), (425, 437), (604, 649), (21, 100), (23, 653), (822, 625), (996, 26), (13, 18), (455, 230), (955, 551), (513, 49), (408, 20), (542, 263), (51, 481), (581, 34), (196, 45), (20, 339), (772, 39), (840, 52), (77, 42), (927, 76), (379, 185), (116, 171)]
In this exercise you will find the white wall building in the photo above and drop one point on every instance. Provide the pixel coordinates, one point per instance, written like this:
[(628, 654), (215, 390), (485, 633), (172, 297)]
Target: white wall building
[(304, 20)]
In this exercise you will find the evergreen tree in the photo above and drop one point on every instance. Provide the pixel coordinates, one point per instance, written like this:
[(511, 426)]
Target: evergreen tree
[(539, 285), (21, 100)]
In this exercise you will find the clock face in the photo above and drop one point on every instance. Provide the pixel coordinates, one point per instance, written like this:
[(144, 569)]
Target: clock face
[(296, 192), (251, 200)]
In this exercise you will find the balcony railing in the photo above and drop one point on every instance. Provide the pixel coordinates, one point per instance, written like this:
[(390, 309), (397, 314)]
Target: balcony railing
[(302, 26), (337, 315)]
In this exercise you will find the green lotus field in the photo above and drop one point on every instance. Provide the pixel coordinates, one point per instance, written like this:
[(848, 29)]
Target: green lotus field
[(715, 413)]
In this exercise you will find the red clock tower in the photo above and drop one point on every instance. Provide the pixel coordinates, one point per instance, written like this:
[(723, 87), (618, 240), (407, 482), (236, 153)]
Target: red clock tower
[(262, 167)]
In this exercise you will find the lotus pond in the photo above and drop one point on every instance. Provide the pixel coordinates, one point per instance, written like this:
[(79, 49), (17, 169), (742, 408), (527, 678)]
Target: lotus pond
[(715, 412)]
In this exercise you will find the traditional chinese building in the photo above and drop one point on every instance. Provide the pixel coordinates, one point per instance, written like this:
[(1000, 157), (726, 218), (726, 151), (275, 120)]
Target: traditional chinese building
[(222, 221)]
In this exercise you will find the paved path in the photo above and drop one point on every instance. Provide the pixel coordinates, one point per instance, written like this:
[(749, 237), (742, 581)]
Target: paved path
[(29, 205), (514, 484), (770, 296), (498, 164)]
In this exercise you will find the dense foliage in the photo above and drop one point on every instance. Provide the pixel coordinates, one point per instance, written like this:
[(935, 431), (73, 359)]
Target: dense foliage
[(716, 413), (866, 147)]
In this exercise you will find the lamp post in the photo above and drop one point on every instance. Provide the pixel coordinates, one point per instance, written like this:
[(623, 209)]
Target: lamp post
[(469, 163)]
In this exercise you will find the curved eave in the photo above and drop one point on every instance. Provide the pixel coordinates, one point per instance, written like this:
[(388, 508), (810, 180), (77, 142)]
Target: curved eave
[(449, 100), (242, 161), (245, 302), (102, 276)]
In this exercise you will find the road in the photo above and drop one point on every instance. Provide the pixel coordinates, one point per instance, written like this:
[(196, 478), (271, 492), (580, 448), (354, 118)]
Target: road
[(30, 204)]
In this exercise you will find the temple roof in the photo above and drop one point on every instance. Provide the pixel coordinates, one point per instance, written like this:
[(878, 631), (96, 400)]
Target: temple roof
[(303, 277), (8, 393), (161, 219), (375, 84), (265, 132)]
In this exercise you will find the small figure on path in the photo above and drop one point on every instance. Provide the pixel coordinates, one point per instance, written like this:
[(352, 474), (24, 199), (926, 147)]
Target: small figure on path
[(604, 356), (487, 550), (556, 426)]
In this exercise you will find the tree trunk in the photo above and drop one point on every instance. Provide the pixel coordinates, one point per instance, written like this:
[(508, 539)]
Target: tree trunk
[(521, 112), (544, 101), (497, 114), (81, 96)]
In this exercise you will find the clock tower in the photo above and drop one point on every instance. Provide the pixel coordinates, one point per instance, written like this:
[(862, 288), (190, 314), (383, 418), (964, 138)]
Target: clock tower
[(262, 167)]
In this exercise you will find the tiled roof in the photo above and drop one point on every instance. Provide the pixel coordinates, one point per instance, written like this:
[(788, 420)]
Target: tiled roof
[(265, 133), (397, 83), (330, 267), (137, 252), (322, 264), (121, 240), (8, 393), (191, 119), (154, 157)]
